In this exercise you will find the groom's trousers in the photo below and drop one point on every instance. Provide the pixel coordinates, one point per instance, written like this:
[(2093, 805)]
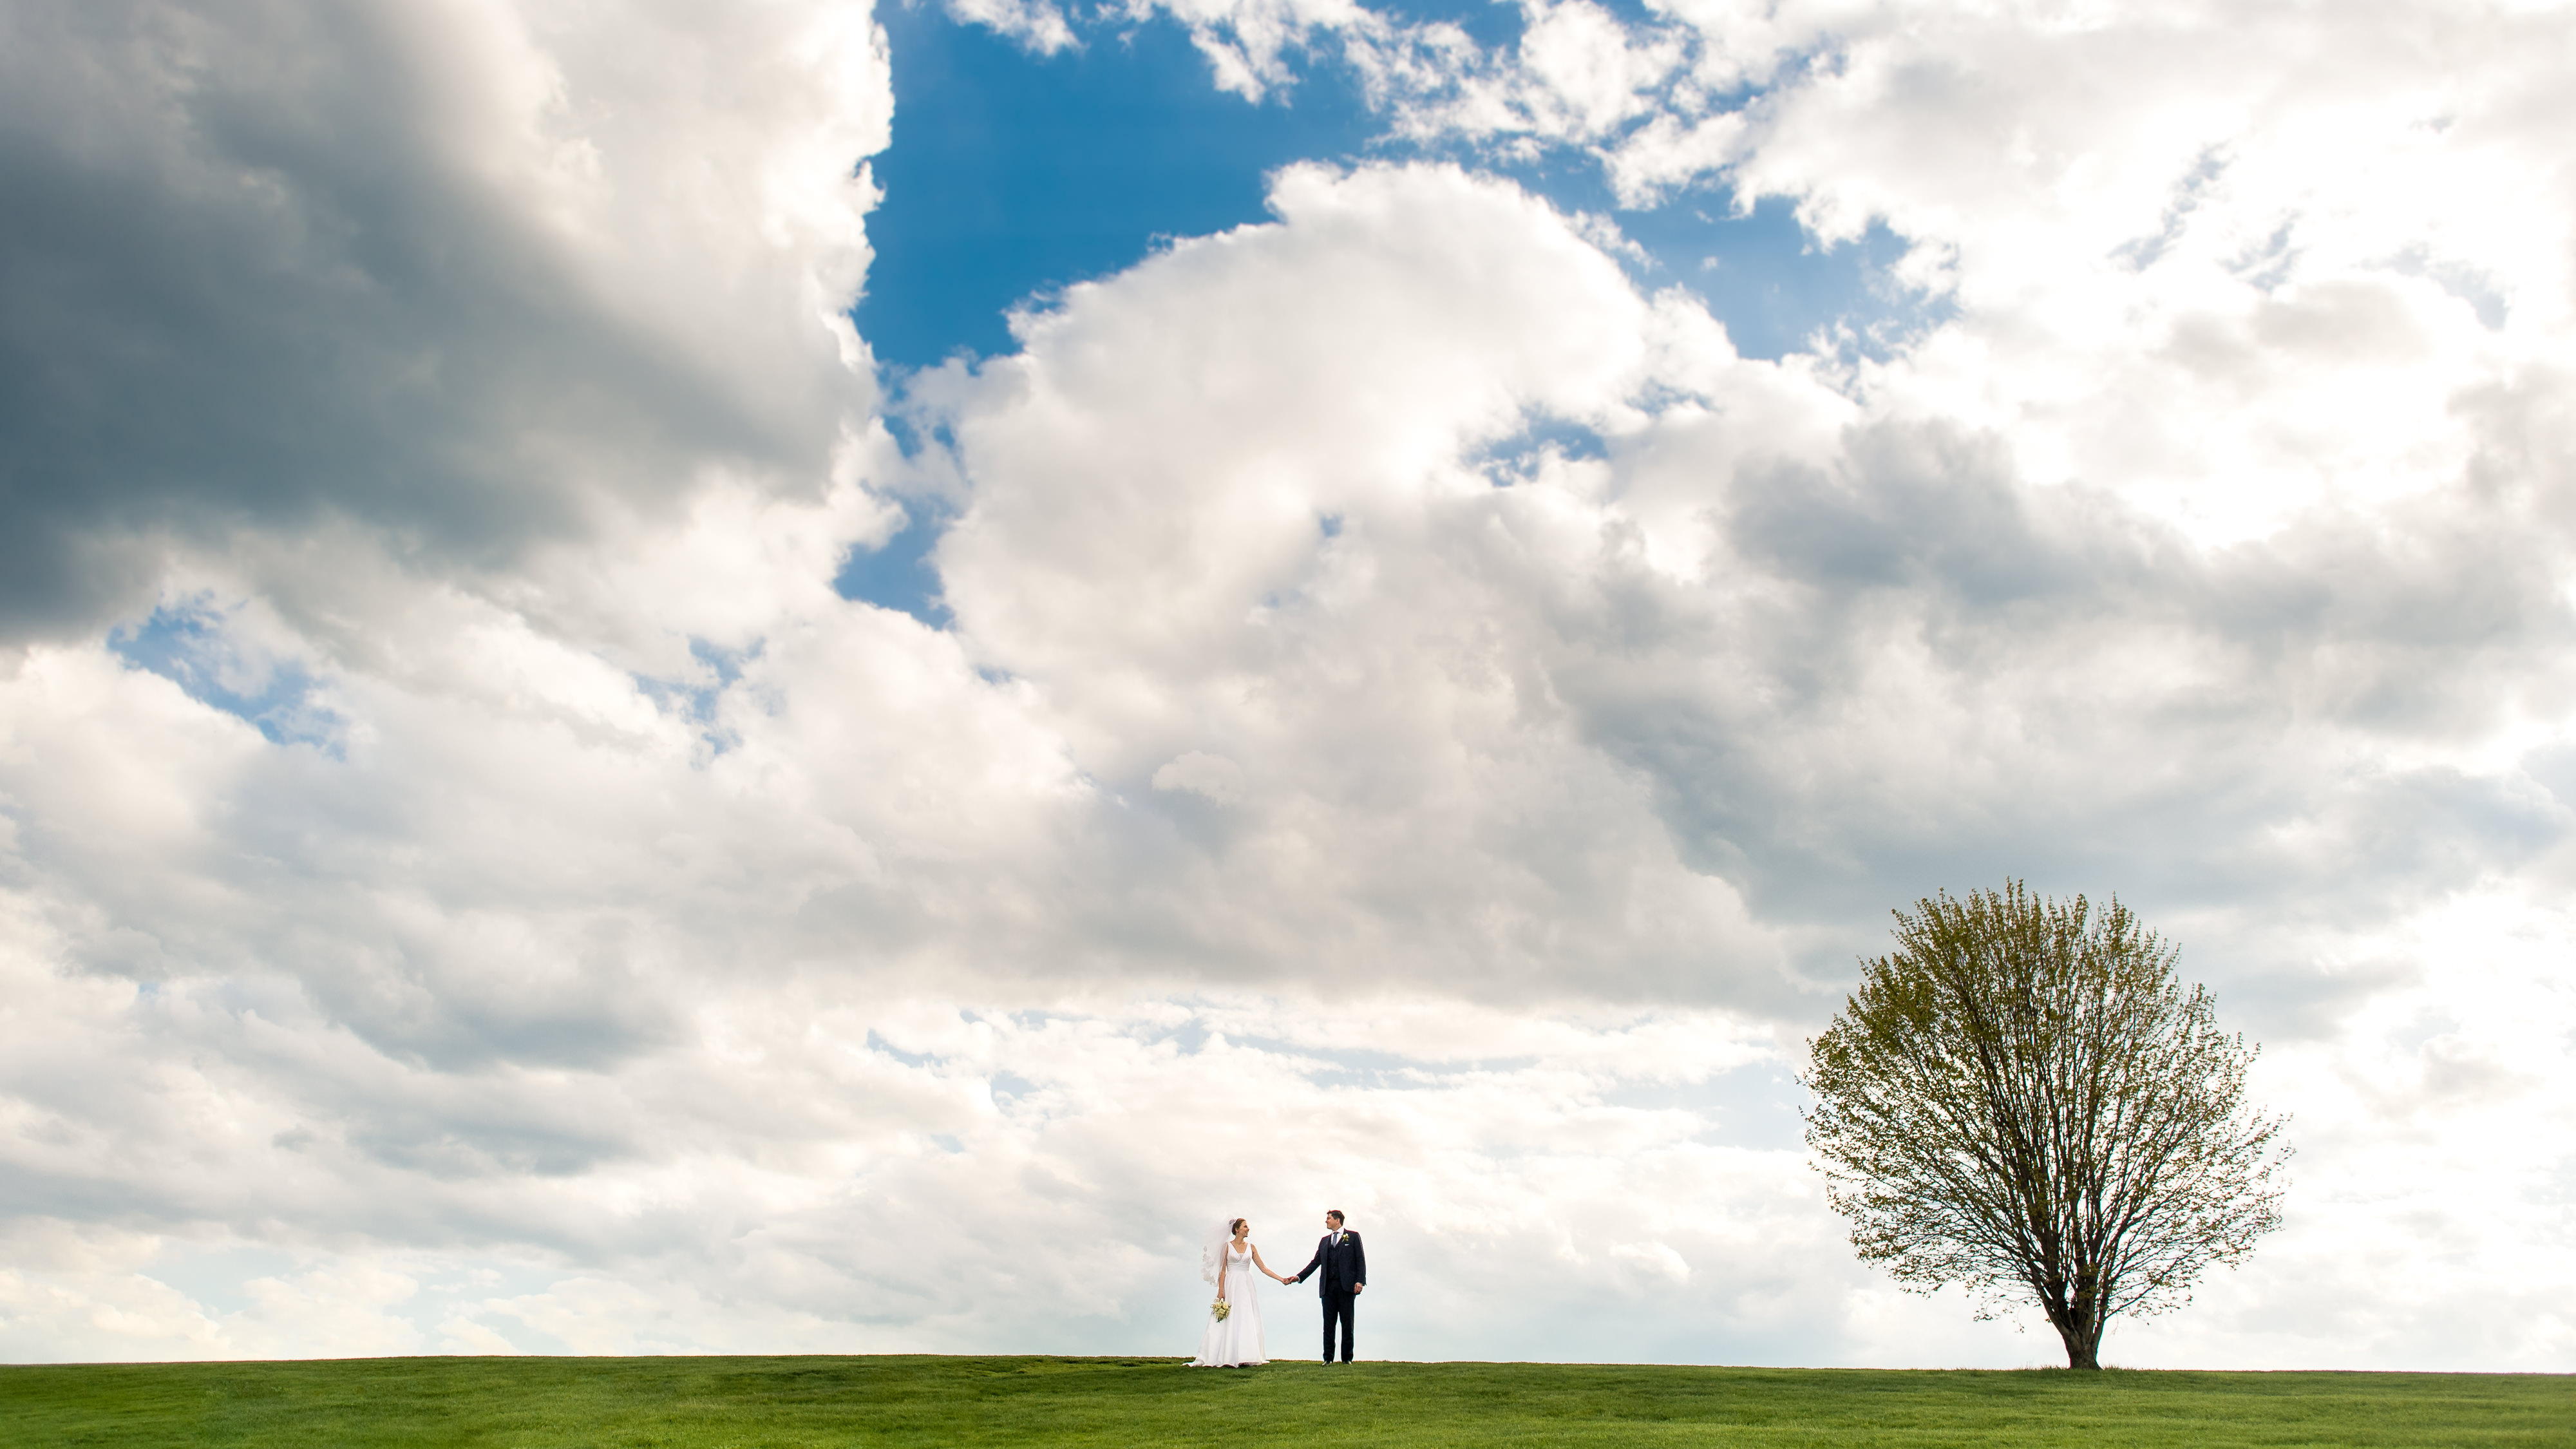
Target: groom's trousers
[(1338, 1302)]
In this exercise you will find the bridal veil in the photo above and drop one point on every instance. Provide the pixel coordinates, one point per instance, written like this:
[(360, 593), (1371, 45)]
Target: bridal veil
[(1212, 1252)]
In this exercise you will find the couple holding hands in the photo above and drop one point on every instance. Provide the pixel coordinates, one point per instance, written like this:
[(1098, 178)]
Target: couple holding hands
[(1233, 1337)]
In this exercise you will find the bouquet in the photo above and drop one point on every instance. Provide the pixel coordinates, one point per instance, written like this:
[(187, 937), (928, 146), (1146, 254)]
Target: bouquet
[(1220, 1308)]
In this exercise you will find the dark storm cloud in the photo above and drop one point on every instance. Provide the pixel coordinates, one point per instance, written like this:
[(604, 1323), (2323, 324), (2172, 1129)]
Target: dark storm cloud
[(249, 275)]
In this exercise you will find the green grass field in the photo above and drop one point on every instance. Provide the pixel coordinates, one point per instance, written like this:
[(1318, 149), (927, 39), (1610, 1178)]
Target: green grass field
[(683, 1403)]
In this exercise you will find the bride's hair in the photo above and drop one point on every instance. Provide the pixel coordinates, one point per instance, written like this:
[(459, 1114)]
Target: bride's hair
[(1234, 1225)]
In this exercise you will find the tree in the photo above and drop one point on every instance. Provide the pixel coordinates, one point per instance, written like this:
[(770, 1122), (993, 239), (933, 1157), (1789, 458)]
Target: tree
[(2022, 1098)]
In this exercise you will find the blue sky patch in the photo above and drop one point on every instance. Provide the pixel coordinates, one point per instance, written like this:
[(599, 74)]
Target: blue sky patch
[(695, 699), (188, 644), (1013, 175), (899, 574), (1515, 459), (1493, 24)]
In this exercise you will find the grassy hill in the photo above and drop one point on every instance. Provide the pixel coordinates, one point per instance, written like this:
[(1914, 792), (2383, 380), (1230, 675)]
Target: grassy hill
[(682, 1403)]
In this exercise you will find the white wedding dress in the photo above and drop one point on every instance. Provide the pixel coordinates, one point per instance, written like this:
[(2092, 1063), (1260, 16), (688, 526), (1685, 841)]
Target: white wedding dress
[(1235, 1343)]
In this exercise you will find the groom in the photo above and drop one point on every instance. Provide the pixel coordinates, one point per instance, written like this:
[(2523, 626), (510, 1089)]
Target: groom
[(1345, 1269)]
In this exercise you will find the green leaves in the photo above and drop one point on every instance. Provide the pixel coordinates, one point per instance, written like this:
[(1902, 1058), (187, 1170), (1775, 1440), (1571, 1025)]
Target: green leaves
[(2022, 1099)]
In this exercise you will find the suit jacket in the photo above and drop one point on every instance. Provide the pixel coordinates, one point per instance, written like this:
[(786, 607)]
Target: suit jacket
[(1344, 1267)]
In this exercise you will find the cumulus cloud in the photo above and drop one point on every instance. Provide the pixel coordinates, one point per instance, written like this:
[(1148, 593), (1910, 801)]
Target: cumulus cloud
[(1424, 723), (467, 275)]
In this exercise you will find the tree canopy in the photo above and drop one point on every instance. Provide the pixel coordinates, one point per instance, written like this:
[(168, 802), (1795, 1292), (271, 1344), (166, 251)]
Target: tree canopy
[(2024, 1100)]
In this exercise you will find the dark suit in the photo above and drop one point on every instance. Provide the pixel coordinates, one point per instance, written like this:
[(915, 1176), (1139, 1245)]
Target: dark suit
[(1345, 1269)]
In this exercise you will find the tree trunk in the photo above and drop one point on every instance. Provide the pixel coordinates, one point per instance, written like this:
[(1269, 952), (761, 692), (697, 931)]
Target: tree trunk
[(2077, 1316)]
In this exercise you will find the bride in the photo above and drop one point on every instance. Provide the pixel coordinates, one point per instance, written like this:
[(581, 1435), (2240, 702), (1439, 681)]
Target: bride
[(1227, 1260)]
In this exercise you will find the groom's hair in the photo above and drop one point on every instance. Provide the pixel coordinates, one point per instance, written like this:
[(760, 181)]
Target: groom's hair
[(1334, 1213)]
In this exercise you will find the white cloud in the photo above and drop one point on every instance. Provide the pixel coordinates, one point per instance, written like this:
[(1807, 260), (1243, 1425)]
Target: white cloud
[(1247, 42), (1039, 26), (2121, 201), (1200, 773)]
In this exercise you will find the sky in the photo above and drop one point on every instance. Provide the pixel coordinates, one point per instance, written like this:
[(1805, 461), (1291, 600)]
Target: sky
[(778, 677)]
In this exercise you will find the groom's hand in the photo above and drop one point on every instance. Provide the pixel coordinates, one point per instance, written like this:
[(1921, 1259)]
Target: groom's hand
[(1358, 1288)]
